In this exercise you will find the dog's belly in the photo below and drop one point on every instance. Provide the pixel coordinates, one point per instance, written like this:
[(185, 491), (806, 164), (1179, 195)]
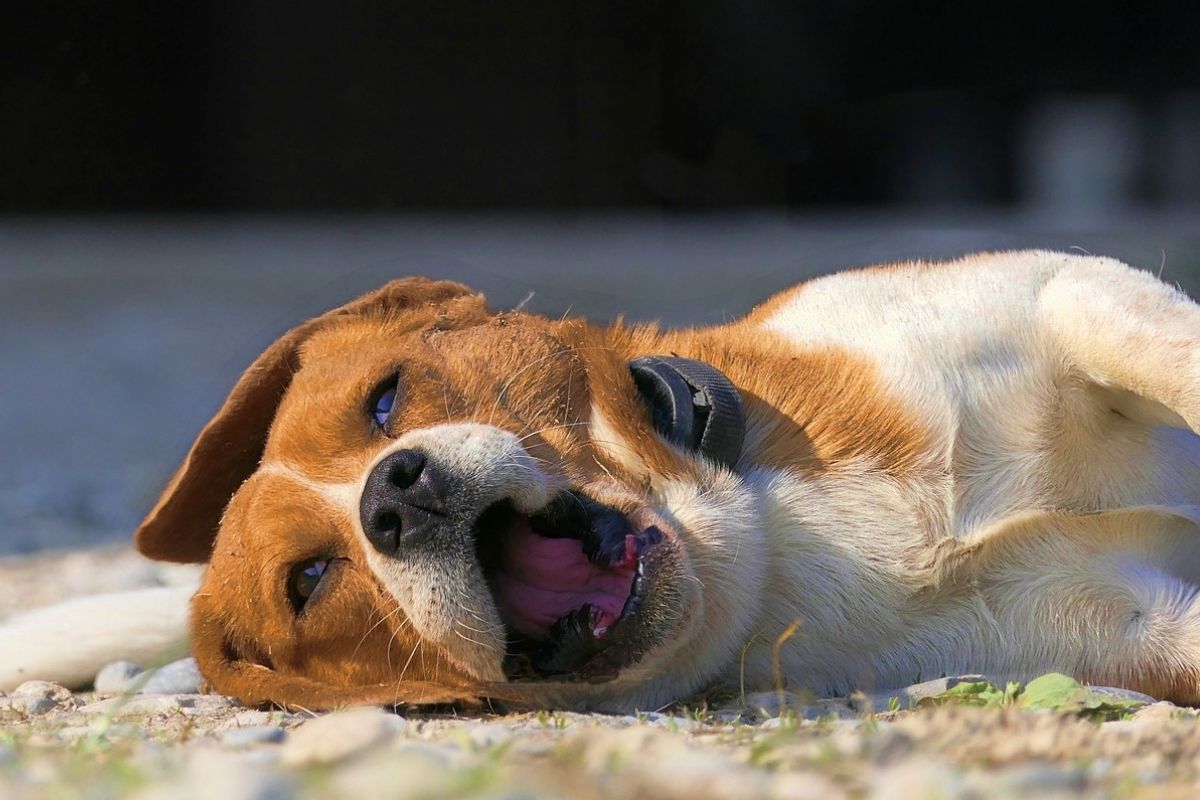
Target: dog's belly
[(881, 602)]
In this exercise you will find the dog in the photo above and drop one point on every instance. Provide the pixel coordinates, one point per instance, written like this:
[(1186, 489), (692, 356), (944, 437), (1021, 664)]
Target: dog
[(879, 476)]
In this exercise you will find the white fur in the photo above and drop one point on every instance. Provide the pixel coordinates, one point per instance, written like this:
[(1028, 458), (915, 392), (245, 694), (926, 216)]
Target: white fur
[(1052, 525)]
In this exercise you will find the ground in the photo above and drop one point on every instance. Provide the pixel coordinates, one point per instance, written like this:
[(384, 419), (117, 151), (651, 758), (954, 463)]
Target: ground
[(952, 737), (201, 746)]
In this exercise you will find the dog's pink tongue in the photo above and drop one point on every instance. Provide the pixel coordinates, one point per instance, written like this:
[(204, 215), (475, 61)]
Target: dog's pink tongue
[(541, 580)]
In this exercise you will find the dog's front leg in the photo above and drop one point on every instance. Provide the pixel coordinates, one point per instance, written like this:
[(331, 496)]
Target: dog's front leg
[(1122, 329)]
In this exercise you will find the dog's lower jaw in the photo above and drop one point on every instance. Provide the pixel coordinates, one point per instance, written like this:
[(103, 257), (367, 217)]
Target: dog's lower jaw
[(715, 597)]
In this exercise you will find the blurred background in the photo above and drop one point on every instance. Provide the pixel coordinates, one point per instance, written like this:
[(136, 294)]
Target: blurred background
[(179, 183)]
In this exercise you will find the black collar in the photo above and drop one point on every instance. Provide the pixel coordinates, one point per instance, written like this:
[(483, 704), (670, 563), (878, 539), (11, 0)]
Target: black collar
[(693, 404)]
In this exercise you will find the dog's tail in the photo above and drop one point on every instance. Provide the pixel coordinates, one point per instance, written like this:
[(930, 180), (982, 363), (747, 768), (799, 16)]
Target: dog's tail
[(69, 642)]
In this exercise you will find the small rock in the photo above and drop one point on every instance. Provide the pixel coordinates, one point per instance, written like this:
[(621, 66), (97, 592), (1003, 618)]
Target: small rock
[(1156, 711), (1117, 694), (339, 736), (200, 704), (114, 678), (178, 677), (215, 774), (412, 770), (130, 705), (907, 697), (71, 733), (247, 737), (38, 697)]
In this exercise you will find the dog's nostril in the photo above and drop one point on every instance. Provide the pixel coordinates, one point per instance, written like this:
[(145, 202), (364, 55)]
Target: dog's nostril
[(385, 529), (387, 521), (405, 467)]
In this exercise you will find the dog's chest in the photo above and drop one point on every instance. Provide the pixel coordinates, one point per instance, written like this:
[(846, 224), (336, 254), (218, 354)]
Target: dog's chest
[(966, 364)]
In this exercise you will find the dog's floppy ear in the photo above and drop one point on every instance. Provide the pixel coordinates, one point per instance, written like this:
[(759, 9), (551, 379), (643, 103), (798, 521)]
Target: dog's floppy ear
[(183, 523)]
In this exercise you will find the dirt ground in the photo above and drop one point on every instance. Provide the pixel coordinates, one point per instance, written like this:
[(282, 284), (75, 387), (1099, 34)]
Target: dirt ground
[(928, 742)]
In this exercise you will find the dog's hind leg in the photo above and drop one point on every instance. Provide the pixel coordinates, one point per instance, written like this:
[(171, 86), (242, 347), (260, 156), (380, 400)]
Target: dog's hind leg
[(68, 642), (1111, 599)]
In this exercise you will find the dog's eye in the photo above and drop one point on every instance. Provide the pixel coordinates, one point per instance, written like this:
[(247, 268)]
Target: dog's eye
[(305, 578), (383, 400), (383, 406)]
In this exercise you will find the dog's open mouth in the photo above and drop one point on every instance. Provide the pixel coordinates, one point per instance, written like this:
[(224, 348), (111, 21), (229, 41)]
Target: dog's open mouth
[(563, 579)]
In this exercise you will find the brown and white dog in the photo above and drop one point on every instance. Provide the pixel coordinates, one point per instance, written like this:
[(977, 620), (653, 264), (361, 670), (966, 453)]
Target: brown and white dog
[(986, 465)]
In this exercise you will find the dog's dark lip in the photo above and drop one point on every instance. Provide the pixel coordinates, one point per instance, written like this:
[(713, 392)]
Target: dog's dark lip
[(610, 541)]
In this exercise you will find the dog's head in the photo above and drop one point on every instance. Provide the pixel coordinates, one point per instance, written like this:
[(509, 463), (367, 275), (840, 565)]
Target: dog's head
[(413, 499)]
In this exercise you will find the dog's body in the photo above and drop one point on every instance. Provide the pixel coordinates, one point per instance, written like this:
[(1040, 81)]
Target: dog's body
[(988, 465)]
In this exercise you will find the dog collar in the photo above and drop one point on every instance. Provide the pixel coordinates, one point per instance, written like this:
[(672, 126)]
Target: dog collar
[(693, 404)]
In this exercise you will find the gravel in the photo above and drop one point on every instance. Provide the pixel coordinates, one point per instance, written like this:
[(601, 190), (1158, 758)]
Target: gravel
[(186, 744)]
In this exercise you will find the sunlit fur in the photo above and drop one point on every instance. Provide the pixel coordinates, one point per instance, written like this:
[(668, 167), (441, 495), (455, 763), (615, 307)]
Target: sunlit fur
[(985, 465)]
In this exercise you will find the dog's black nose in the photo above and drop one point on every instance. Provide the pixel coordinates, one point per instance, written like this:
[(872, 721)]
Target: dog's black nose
[(403, 502)]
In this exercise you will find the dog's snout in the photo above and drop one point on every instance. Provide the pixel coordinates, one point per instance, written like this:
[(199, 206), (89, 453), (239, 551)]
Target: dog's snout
[(403, 501)]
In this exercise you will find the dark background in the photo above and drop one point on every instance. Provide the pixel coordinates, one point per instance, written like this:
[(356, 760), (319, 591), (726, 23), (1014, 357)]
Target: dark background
[(181, 182), (596, 104)]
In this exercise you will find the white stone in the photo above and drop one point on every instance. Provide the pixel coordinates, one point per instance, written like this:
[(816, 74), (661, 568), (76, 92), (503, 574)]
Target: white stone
[(340, 736), (248, 737), (39, 697), (115, 677), (1157, 711), (215, 774), (131, 705), (178, 677)]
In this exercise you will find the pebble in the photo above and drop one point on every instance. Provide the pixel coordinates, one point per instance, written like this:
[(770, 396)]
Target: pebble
[(214, 774), (133, 704), (38, 697), (907, 697), (1115, 694), (248, 737), (414, 770), (114, 678), (178, 677), (188, 704), (1157, 711), (340, 735)]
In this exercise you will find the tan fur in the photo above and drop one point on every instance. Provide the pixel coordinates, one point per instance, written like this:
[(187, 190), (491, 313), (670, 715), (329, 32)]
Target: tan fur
[(981, 465)]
